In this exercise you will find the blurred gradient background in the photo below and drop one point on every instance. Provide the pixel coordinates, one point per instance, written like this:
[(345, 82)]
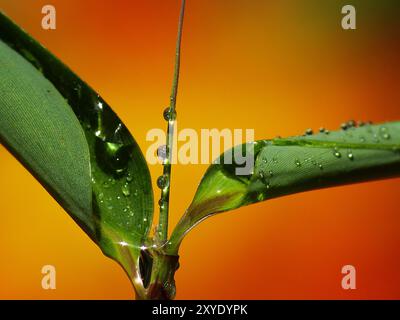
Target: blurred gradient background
[(276, 66)]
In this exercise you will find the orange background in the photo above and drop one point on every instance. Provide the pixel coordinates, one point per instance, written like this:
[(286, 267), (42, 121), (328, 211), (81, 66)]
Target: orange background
[(276, 66)]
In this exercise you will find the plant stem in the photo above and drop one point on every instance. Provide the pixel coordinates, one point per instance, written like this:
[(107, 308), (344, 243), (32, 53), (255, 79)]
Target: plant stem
[(162, 230)]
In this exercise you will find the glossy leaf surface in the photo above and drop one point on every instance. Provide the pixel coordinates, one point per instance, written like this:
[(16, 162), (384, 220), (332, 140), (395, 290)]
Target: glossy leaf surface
[(287, 166), (76, 146)]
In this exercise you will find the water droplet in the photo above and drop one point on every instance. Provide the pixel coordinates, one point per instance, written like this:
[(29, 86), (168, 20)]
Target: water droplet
[(351, 123), (105, 184), (162, 152), (344, 126), (386, 136), (383, 129), (160, 202), (113, 157), (162, 181), (322, 129), (125, 190), (118, 197), (101, 196), (125, 210), (337, 154), (274, 160), (144, 219), (297, 163), (169, 114), (362, 139), (271, 173), (320, 166), (309, 132), (350, 155), (129, 177), (360, 123)]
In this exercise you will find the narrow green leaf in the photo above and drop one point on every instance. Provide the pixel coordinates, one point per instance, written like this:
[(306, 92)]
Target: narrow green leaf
[(53, 147), (78, 148), (287, 166)]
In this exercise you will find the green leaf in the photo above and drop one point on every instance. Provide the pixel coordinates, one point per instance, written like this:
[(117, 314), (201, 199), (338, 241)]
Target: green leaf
[(75, 145), (287, 166), (26, 101)]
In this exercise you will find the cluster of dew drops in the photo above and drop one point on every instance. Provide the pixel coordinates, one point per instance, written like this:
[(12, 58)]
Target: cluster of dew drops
[(163, 153), (345, 126)]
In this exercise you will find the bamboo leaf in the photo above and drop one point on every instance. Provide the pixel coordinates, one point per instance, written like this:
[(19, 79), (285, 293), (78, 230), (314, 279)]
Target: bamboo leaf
[(75, 145), (53, 147), (287, 166)]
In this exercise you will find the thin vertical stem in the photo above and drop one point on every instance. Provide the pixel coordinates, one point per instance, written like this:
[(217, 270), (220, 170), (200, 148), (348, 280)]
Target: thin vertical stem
[(162, 230)]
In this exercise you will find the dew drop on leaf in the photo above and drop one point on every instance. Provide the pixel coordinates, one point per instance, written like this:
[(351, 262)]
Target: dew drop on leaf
[(350, 155), (129, 177), (337, 154), (162, 181), (113, 157), (125, 190), (351, 123), (162, 152), (169, 114), (309, 132)]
